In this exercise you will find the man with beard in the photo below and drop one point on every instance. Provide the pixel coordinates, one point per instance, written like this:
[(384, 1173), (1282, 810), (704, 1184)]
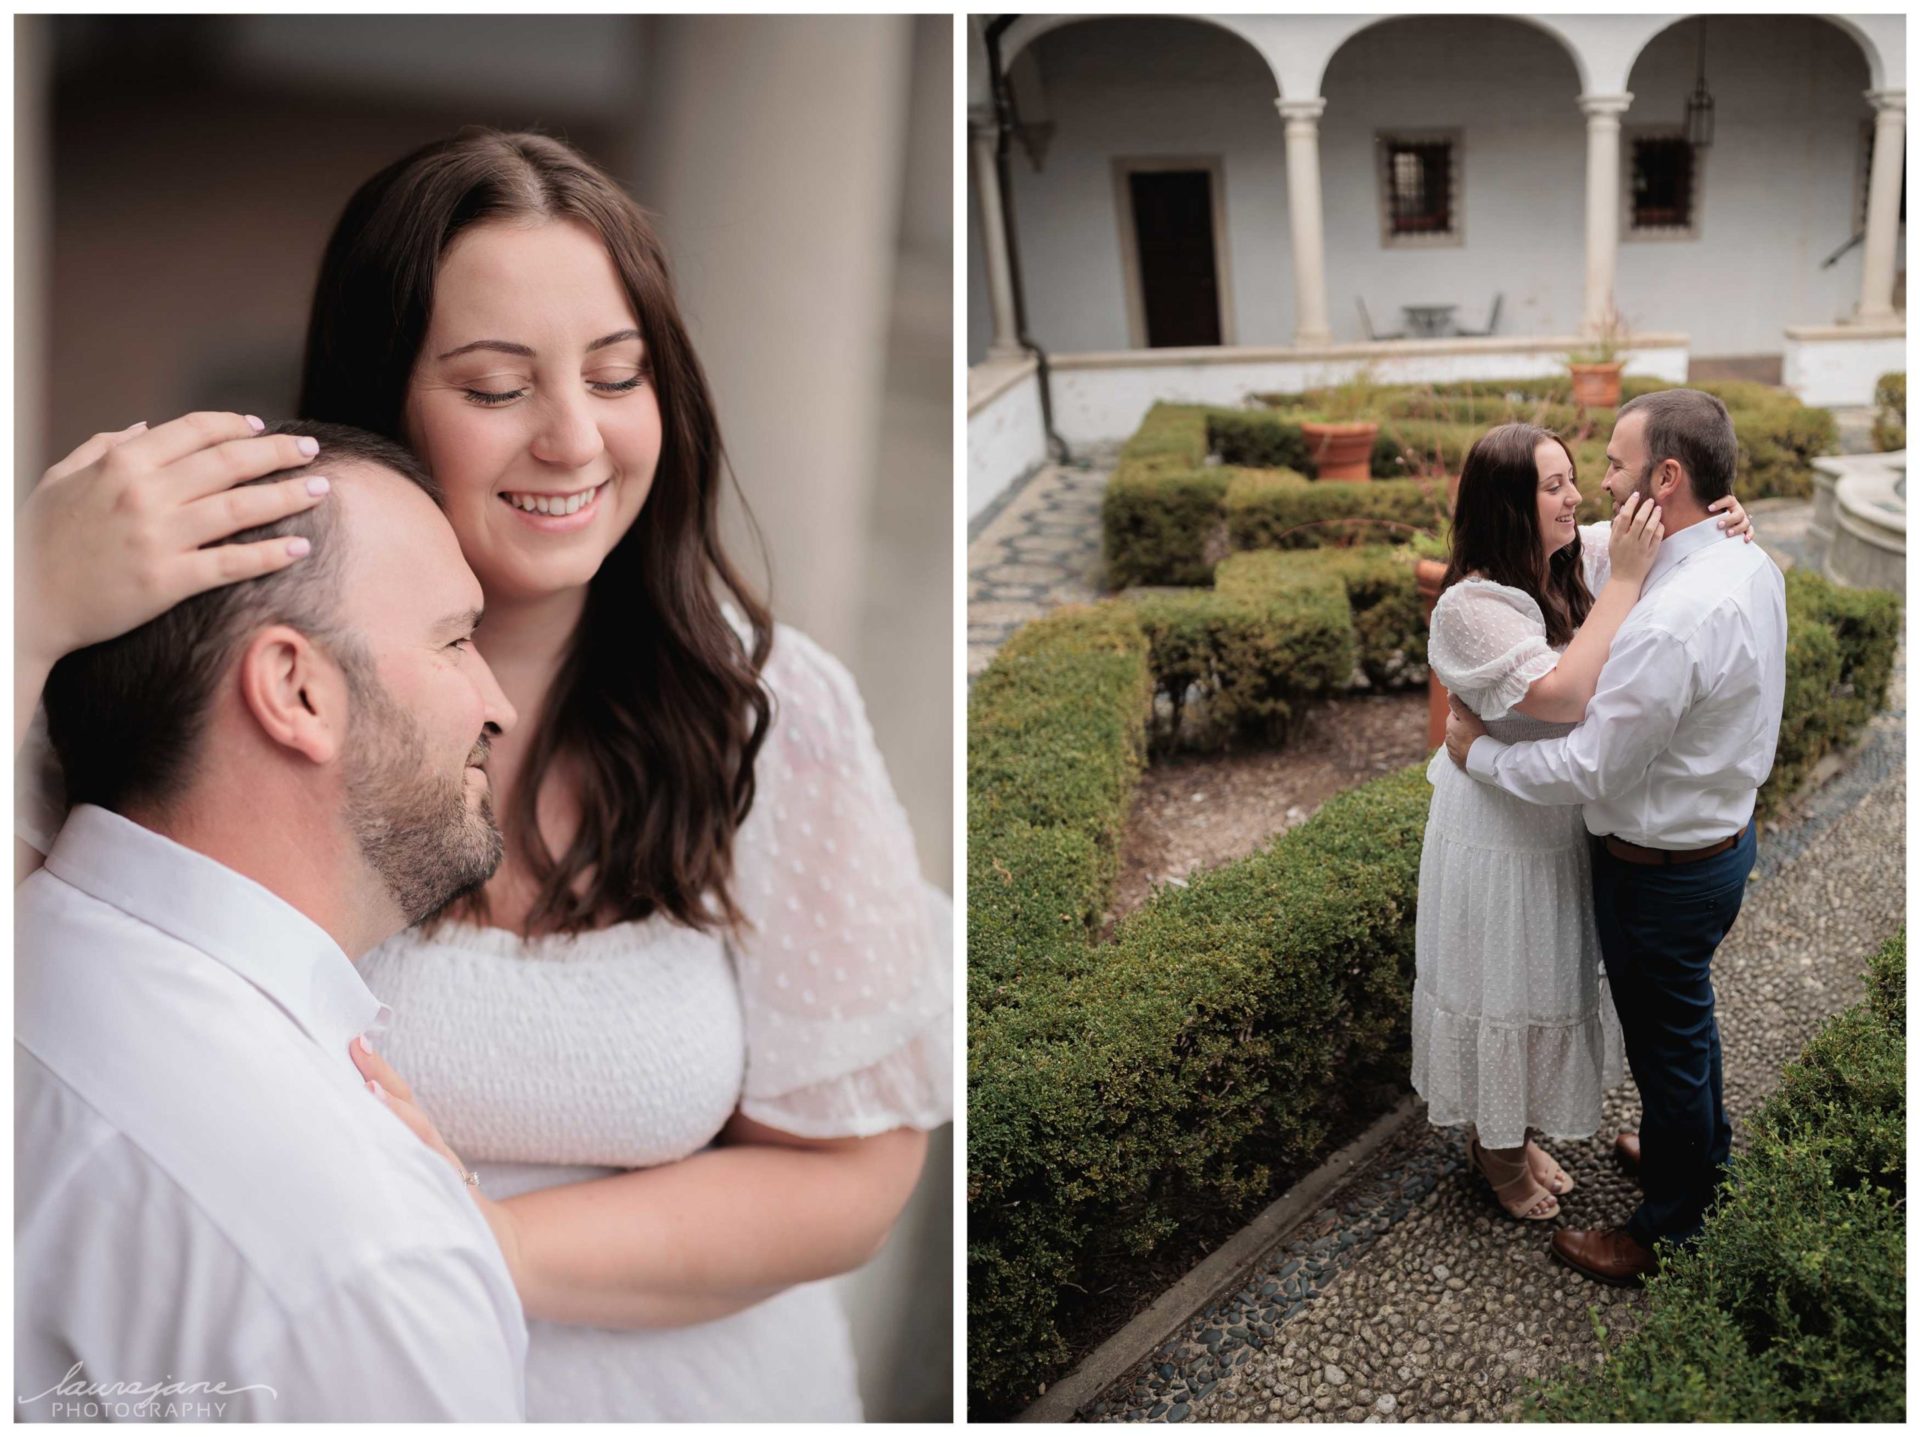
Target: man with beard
[(1667, 765), (214, 1215)]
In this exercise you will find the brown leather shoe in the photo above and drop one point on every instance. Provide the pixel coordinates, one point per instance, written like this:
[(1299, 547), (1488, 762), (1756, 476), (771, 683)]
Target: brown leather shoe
[(1626, 1147), (1604, 1254)]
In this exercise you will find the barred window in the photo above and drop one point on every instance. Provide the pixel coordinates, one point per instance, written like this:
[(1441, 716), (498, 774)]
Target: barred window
[(1663, 185), (1420, 188)]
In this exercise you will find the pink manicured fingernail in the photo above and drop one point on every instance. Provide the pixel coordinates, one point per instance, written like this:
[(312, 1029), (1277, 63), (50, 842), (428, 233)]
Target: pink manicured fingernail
[(318, 485), (365, 1046), (132, 428), (299, 548), (373, 1086), (256, 423), (308, 447)]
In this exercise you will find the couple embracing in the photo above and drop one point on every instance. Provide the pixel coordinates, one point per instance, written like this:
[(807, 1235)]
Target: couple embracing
[(1616, 699), (422, 1015)]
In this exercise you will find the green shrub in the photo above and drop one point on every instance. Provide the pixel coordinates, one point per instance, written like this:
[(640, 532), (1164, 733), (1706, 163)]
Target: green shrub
[(1389, 629), (1257, 440), (1890, 412), (1275, 509), (1161, 511), (1840, 650), (1792, 1307), (1169, 515), (1054, 723), (1255, 653), (1200, 1048), (1887, 983), (1055, 740)]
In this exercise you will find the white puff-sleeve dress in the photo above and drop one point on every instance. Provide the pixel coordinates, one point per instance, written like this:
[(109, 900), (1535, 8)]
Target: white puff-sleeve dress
[(560, 1060), (1513, 1026)]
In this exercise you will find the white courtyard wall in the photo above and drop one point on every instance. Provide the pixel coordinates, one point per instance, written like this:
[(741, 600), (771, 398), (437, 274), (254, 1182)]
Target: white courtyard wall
[(1006, 438), (1778, 189), (1140, 87), (1509, 89)]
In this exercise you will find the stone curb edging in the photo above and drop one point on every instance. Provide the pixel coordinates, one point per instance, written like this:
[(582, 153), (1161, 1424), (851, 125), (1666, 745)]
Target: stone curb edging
[(1217, 1273)]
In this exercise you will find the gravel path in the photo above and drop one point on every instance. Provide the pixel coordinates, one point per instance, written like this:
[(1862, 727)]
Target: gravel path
[(1413, 1298)]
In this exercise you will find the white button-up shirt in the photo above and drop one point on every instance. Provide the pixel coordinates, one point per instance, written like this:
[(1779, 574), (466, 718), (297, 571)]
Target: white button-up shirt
[(1681, 730), (213, 1218)]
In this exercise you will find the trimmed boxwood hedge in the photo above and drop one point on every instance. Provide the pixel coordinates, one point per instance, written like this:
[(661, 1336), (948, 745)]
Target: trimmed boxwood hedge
[(1112, 1086), (1840, 649), (1890, 412), (1171, 512), (1383, 598), (1259, 651), (1792, 1308)]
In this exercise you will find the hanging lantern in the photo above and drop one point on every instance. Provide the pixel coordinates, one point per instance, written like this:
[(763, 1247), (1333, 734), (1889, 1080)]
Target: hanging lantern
[(1700, 106)]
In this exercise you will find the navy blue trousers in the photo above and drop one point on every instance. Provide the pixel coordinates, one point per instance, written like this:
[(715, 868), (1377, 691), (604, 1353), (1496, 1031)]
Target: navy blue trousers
[(1659, 928)]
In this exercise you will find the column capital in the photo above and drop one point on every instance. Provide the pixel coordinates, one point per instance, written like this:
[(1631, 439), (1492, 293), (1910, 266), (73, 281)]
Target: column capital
[(1596, 107), (1301, 112), (1885, 101)]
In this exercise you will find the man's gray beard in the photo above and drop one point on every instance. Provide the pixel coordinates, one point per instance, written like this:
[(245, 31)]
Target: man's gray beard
[(414, 828)]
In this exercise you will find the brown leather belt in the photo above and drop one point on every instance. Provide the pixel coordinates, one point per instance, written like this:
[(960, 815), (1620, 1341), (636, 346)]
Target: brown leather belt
[(1663, 857)]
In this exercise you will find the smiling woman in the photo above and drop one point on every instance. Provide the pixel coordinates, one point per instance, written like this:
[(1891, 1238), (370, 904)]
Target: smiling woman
[(693, 1031)]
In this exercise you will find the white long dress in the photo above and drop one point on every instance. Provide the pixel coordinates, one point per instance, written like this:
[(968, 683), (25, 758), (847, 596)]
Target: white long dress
[(561, 1060), (1513, 1025)]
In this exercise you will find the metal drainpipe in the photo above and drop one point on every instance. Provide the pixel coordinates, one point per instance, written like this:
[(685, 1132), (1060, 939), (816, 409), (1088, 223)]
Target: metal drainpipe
[(1003, 130)]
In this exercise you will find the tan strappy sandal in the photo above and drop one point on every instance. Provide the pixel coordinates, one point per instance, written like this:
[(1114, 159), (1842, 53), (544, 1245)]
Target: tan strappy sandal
[(1548, 1173), (1519, 1194)]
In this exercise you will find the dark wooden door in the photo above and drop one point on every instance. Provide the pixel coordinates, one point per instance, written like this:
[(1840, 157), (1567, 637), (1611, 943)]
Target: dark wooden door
[(1173, 233)]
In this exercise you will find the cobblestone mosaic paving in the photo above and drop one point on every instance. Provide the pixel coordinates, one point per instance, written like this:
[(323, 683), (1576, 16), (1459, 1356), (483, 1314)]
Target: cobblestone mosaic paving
[(1041, 550)]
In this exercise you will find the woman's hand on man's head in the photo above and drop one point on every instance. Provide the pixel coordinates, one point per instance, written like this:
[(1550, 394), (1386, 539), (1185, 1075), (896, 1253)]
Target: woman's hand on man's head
[(114, 534)]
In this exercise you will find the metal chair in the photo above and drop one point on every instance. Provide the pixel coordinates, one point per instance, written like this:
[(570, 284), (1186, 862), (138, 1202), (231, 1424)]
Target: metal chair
[(1366, 324), (1493, 322)]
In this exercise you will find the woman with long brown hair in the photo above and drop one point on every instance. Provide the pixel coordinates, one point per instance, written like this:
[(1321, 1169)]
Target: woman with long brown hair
[(1514, 1031), (692, 1033)]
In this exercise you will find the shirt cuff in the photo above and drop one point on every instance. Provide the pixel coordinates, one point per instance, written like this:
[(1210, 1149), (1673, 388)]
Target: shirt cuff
[(1482, 756)]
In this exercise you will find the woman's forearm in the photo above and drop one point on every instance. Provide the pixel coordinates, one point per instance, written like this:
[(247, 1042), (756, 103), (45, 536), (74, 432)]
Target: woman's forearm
[(1561, 696), (711, 1234)]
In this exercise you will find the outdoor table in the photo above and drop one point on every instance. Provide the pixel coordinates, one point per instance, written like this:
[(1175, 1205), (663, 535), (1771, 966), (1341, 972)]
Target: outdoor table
[(1429, 321)]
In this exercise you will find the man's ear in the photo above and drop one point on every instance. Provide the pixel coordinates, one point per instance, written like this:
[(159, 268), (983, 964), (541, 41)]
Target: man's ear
[(1669, 483), (295, 692)]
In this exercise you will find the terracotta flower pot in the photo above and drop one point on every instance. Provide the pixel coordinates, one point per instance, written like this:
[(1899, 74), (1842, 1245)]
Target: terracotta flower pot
[(1597, 386), (1341, 451), (1427, 574)]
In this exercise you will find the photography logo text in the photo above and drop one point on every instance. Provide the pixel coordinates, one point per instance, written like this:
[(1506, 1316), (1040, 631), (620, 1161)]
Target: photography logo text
[(73, 1397)]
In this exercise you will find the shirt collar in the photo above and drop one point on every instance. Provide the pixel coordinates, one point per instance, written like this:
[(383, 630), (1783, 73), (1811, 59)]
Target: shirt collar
[(223, 914), (1676, 549)]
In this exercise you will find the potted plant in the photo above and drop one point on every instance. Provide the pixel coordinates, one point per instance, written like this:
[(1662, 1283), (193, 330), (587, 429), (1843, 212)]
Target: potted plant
[(1596, 364), (1341, 442)]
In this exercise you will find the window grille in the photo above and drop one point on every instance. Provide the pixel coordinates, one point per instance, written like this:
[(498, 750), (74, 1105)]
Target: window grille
[(1420, 188)]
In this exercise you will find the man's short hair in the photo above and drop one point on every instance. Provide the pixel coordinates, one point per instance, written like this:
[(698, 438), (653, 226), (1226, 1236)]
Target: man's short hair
[(1693, 427), (128, 717)]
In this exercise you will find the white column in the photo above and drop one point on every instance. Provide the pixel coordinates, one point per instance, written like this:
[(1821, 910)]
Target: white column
[(1883, 203), (1304, 216), (986, 184), (1603, 114), (771, 147)]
